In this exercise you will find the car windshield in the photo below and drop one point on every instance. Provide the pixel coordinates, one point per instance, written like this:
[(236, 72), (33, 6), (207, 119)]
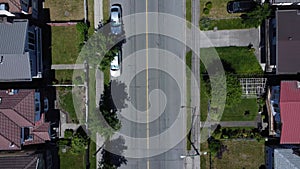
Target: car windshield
[(115, 21), (114, 67), (236, 6)]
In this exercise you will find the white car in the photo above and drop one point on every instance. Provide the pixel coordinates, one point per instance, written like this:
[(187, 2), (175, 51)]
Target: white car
[(115, 65), (116, 19)]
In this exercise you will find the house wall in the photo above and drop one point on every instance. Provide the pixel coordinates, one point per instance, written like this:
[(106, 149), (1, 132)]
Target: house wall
[(34, 46)]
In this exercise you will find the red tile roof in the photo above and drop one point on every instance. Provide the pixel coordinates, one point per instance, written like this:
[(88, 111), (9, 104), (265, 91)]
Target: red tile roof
[(17, 111), (290, 112)]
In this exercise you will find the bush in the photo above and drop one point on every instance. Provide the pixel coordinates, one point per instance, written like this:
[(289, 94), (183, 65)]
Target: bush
[(64, 142), (205, 23), (206, 11), (69, 133), (82, 30), (208, 5), (214, 145)]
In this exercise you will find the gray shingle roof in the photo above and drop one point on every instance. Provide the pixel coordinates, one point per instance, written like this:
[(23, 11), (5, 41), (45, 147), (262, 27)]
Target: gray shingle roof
[(15, 64), (285, 159), (288, 39), (13, 37), (15, 67)]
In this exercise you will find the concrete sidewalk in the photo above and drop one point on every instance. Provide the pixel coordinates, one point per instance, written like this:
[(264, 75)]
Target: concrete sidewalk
[(67, 66), (232, 124)]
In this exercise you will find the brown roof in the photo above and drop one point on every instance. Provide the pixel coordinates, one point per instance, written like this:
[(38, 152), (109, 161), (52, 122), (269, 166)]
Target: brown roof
[(15, 6), (288, 41), (17, 111), (20, 162)]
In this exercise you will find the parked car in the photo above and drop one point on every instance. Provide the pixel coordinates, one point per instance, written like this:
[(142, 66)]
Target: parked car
[(115, 65), (116, 19), (240, 6)]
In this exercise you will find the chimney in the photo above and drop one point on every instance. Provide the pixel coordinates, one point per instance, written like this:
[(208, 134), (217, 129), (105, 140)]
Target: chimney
[(298, 84)]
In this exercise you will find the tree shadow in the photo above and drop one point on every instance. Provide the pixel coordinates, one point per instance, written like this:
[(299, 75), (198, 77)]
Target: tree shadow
[(112, 154), (114, 96)]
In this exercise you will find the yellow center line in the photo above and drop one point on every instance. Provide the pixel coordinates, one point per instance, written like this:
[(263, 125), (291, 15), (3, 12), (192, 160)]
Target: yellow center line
[(147, 101)]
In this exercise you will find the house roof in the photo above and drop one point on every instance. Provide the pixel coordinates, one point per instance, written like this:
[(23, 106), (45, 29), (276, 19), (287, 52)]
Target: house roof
[(14, 61), (15, 67), (17, 111), (15, 6), (288, 39), (285, 158), (20, 162), (13, 37), (290, 112)]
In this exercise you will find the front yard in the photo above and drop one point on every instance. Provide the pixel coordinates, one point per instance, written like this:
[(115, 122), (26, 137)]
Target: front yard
[(239, 154), (65, 42), (239, 61), (214, 14), (69, 160)]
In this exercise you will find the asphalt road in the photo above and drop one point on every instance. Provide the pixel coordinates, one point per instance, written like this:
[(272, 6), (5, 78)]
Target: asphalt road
[(154, 73)]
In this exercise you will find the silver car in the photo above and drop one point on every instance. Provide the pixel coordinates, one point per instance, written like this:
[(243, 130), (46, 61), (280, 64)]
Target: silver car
[(116, 19)]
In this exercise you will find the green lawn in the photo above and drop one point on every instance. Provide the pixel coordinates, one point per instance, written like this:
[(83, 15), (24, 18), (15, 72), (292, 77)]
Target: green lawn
[(91, 17), (65, 10), (203, 100), (236, 113), (188, 60), (224, 24), (188, 15), (66, 102), (241, 154), (71, 161), (237, 60), (106, 9), (64, 45), (92, 156), (64, 75)]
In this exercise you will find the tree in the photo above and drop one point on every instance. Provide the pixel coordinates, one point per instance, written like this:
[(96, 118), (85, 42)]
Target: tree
[(232, 90), (257, 16), (99, 49), (105, 119), (214, 146), (112, 157), (78, 143)]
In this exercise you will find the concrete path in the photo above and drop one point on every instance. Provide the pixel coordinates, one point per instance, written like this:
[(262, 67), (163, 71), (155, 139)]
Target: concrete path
[(64, 125), (232, 124), (98, 12), (62, 24), (99, 85), (221, 38), (194, 163), (67, 66)]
